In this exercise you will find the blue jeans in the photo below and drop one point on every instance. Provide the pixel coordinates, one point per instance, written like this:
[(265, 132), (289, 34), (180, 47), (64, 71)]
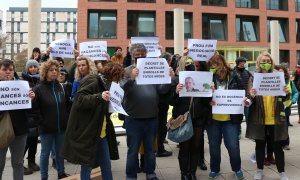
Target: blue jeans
[(138, 131), (16, 148), (230, 133), (103, 158), (47, 141)]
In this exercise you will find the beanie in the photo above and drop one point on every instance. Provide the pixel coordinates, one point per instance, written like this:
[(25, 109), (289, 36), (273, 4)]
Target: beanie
[(240, 59), (31, 62)]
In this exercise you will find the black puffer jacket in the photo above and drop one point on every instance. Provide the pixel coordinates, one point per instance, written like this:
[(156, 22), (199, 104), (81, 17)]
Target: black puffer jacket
[(50, 105)]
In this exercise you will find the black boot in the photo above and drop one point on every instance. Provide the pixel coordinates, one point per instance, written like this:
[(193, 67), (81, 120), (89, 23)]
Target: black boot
[(32, 165), (193, 166), (27, 171), (192, 176), (184, 167)]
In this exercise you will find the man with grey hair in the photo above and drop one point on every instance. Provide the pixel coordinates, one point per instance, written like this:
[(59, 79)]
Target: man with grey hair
[(141, 104)]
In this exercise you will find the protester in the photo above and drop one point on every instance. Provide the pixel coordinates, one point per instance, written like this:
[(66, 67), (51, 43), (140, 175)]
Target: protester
[(31, 75), (85, 66), (189, 151), (20, 126), (297, 84), (293, 99), (50, 105), (162, 117), (267, 120), (142, 122), (92, 142), (224, 126), (118, 56), (36, 54), (127, 60)]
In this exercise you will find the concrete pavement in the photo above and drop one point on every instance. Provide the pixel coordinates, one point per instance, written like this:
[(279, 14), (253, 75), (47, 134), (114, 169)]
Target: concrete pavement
[(168, 168)]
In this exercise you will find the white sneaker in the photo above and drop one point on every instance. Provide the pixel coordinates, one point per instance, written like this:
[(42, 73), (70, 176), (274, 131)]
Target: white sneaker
[(283, 176), (259, 174)]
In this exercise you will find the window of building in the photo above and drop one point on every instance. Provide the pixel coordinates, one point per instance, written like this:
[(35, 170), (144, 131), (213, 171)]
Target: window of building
[(247, 4), (214, 2), (283, 29), (145, 1), (140, 23), (284, 57), (179, 1), (170, 50), (21, 16), (297, 5), (18, 26), (102, 24), (54, 16), (298, 56), (188, 25), (69, 16), (298, 30), (214, 26), (277, 5), (247, 28)]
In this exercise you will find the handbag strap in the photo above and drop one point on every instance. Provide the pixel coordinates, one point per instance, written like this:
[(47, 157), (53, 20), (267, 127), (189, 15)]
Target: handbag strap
[(191, 103)]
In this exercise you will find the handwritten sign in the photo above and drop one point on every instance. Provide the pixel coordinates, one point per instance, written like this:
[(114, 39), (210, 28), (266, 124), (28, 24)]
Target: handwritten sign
[(196, 84), (96, 50), (14, 95), (116, 97), (63, 48), (269, 84), (153, 71), (201, 50), (228, 101), (151, 44)]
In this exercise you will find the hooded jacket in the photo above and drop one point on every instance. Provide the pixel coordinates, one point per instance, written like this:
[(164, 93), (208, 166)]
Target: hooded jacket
[(85, 124)]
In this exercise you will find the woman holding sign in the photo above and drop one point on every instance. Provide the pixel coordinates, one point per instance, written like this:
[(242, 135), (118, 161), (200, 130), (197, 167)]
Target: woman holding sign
[(90, 138), (19, 122), (224, 126), (190, 151), (267, 120)]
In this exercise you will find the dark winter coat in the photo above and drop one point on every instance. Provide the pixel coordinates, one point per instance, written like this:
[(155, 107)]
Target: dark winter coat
[(255, 123), (234, 83), (50, 105), (200, 109), (244, 75), (85, 124)]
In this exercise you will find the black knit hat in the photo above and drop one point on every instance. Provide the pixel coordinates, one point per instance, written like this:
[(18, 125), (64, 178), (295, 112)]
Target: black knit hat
[(240, 59)]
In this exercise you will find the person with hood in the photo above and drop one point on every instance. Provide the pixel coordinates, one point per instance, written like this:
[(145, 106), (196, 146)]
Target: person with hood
[(90, 138), (31, 75), (50, 106), (267, 121)]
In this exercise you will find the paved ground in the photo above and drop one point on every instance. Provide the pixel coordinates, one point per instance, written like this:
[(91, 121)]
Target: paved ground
[(167, 168)]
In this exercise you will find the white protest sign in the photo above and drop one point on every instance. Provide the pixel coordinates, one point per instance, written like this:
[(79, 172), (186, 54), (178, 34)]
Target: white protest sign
[(228, 101), (116, 97), (96, 50), (195, 84), (201, 50), (63, 48), (151, 44), (153, 71), (14, 95), (269, 84)]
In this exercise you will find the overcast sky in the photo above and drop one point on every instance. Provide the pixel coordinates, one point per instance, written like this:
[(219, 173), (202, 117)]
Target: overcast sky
[(5, 4)]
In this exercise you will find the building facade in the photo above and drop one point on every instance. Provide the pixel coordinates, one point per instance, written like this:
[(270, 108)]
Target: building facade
[(56, 23), (1, 21), (240, 26)]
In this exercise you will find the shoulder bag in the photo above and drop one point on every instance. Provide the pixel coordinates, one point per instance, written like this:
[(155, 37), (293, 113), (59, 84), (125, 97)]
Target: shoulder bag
[(7, 133)]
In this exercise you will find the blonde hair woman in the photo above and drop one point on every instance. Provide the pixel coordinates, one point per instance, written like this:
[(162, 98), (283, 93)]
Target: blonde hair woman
[(85, 66)]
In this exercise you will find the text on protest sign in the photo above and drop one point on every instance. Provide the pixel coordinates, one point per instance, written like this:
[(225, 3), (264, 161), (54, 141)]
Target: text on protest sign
[(196, 84), (269, 84), (14, 95), (63, 48), (201, 50), (96, 50), (228, 101), (153, 71), (151, 44), (116, 97)]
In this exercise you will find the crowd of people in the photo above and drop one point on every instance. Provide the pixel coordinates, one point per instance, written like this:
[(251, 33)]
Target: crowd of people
[(70, 114)]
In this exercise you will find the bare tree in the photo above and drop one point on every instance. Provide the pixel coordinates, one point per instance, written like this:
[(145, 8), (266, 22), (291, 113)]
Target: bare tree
[(3, 40)]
